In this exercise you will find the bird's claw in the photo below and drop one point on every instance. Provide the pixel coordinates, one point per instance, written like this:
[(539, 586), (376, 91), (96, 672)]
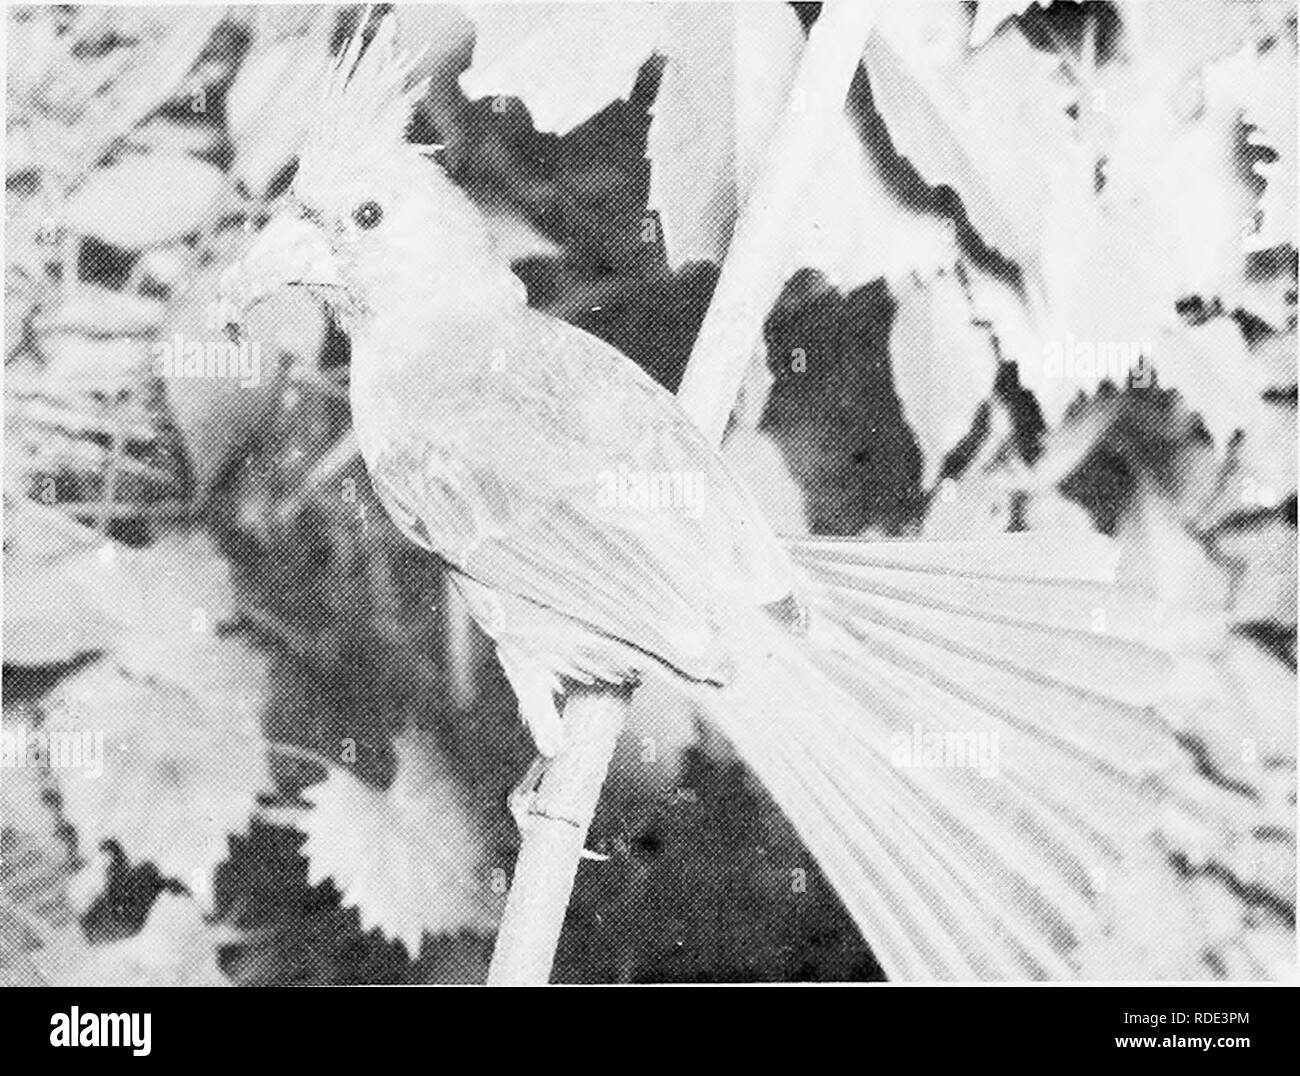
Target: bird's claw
[(525, 802), (523, 798)]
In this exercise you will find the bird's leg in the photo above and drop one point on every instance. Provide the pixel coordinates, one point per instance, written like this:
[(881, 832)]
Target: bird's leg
[(534, 685)]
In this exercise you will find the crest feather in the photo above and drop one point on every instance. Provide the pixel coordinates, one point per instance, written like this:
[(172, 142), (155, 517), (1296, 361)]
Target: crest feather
[(369, 93)]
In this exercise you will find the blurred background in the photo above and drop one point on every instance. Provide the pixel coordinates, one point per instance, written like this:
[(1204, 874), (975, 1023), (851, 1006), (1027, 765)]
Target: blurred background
[(308, 746)]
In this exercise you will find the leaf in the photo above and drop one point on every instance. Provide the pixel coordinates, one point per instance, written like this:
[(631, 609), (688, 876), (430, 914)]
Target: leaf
[(722, 88), (35, 866), (65, 597), (1049, 511), (409, 857), (98, 311), (167, 136), (90, 365), (944, 366), (1266, 456), (48, 619), (43, 533), (1166, 158), (1264, 590), (565, 63), (179, 776), (991, 125), (438, 36), (266, 109), (1210, 366), (1101, 217), (978, 504), (177, 947), (991, 14), (145, 200), (178, 710), (727, 77), (1270, 109), (1187, 36), (1263, 691), (1162, 560)]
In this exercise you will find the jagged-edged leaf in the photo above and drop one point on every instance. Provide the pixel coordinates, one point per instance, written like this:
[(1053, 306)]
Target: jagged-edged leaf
[(178, 709), (409, 858), (1210, 366), (728, 75), (724, 85), (179, 773), (1270, 110), (565, 63), (990, 124), (1166, 158)]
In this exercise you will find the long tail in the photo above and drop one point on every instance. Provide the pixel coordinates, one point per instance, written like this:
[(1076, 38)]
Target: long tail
[(978, 744)]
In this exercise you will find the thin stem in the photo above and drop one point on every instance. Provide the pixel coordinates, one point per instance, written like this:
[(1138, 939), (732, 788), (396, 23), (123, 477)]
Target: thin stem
[(554, 835), (756, 269)]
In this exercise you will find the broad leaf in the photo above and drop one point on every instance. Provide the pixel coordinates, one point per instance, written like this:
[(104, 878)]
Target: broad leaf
[(177, 947), (409, 857), (944, 366), (145, 200)]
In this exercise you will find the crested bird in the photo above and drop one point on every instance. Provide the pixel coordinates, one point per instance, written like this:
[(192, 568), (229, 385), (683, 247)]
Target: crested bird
[(971, 738)]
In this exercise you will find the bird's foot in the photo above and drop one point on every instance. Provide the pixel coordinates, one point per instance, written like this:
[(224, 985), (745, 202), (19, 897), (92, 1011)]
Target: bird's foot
[(524, 796), (526, 802)]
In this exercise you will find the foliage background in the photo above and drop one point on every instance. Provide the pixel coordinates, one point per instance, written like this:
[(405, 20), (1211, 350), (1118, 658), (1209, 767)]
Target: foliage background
[(313, 745)]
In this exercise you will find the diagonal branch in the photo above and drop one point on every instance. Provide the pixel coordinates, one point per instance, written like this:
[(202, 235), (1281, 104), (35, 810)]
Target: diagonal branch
[(554, 835), (756, 267)]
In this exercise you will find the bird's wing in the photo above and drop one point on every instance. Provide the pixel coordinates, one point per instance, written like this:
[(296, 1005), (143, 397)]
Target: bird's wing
[(526, 481)]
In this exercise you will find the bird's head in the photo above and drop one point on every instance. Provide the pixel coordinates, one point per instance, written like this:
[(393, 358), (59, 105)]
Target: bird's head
[(370, 225)]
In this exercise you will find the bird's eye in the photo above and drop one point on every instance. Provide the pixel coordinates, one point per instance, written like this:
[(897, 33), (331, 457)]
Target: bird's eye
[(368, 215)]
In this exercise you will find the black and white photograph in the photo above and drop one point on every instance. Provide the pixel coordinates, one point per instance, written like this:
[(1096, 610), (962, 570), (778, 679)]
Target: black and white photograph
[(650, 493)]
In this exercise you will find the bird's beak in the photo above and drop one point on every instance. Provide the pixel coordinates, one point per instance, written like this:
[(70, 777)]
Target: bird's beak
[(289, 252)]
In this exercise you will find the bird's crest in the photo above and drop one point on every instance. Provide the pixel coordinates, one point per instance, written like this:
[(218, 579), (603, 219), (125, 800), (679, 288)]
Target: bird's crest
[(369, 95)]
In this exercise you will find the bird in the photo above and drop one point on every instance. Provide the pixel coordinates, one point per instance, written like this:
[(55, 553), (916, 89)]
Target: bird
[(974, 739)]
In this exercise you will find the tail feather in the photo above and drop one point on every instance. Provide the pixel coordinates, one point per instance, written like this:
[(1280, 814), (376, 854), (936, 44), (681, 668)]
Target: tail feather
[(1039, 583), (932, 898), (1024, 556), (972, 858)]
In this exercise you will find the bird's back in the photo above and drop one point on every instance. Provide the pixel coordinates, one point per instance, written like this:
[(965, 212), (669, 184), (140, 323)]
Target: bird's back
[(541, 461)]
